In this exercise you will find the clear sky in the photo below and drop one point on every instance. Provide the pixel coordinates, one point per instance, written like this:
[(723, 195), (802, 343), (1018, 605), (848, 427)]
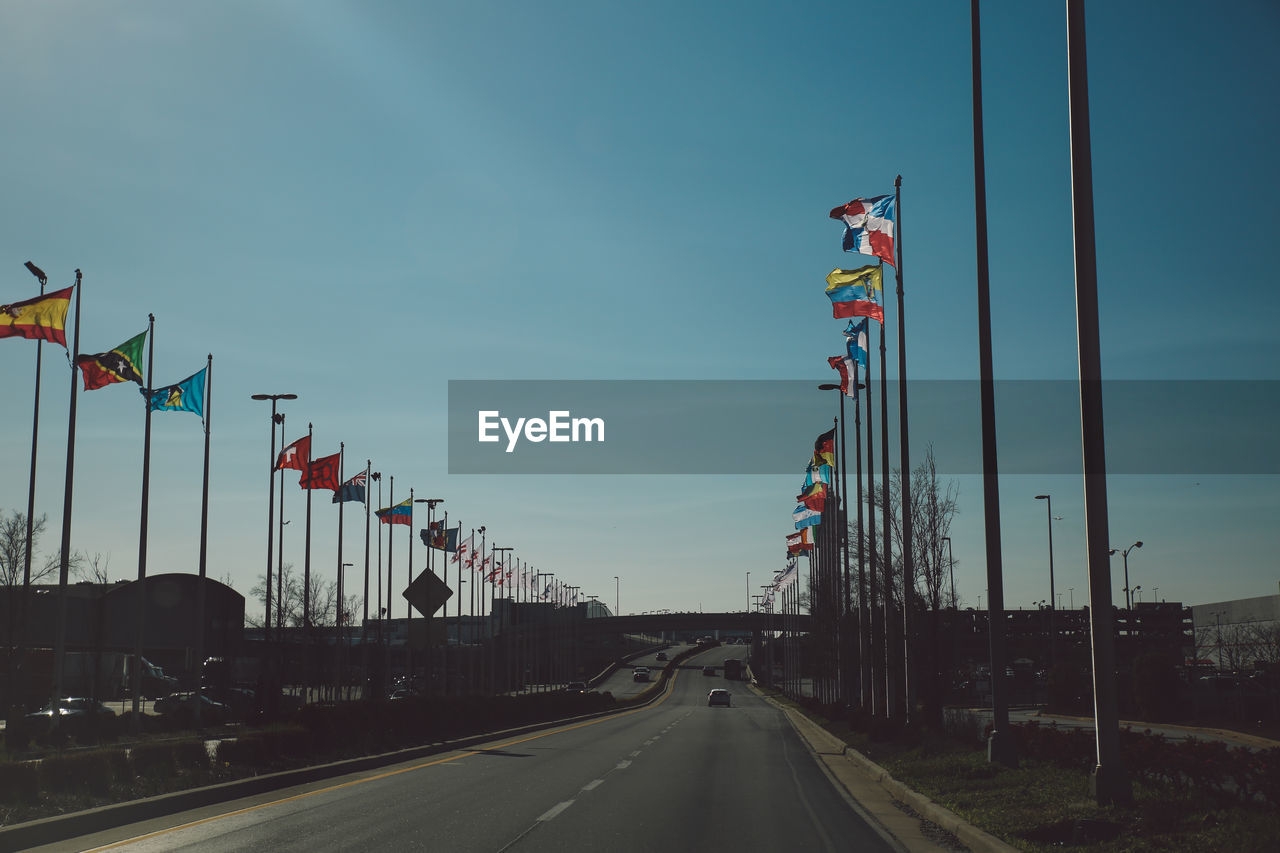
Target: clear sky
[(357, 202)]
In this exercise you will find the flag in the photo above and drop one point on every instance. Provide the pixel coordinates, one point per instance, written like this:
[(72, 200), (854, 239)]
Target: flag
[(437, 537), (799, 541), (789, 574), (868, 226), (321, 473), (816, 474), (463, 548), (401, 513), (853, 293), (43, 318), (805, 517), (848, 370), (117, 365), (296, 455), (824, 448), (814, 497), (856, 341), (186, 396), (352, 490)]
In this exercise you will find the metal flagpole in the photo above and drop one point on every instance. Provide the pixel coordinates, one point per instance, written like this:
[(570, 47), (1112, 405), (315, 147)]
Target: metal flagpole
[(875, 649), (140, 617), (337, 650), (364, 603), (1000, 746), (391, 558), (64, 554), (893, 706), (280, 550), (204, 538), (408, 610), (908, 688), (864, 628), (1110, 782)]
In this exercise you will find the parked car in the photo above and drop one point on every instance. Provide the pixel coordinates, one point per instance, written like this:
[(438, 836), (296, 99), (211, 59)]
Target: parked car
[(719, 696), (182, 707), (708, 670), (75, 717)]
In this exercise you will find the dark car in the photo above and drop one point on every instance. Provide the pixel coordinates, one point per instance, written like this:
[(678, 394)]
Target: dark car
[(661, 656), (719, 696), (182, 707), (708, 670), (641, 673), (576, 687), (76, 717)]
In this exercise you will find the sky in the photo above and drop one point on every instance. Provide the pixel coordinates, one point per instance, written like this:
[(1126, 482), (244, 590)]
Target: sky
[(359, 203)]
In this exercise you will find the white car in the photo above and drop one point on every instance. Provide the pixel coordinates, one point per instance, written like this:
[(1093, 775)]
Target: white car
[(719, 696)]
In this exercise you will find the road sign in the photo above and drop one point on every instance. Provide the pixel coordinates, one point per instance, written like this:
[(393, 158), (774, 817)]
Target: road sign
[(427, 593)]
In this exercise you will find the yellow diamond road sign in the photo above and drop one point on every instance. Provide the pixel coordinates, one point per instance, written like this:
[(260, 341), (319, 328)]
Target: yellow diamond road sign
[(427, 593)]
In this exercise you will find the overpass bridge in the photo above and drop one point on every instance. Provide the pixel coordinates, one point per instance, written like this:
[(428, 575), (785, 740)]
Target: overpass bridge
[(698, 623)]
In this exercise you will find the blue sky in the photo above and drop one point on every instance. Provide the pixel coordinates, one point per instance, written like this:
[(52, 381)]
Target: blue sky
[(359, 202)]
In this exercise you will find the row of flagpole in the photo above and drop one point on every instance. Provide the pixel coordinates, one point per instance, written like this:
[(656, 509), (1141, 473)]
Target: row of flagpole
[(43, 318)]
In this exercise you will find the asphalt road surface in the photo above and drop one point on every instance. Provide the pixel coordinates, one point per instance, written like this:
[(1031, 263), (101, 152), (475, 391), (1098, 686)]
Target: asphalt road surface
[(675, 776)]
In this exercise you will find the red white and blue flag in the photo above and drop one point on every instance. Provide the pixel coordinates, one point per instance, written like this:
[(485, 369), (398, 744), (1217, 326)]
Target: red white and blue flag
[(868, 226)]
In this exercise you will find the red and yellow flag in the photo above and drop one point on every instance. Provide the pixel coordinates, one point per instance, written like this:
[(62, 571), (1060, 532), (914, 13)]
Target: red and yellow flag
[(43, 318)]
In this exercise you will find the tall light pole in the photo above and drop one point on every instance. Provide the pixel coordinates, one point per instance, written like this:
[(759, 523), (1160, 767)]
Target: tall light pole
[(951, 564), (1048, 499), (748, 592), (617, 596), (431, 509), (1128, 595), (271, 499)]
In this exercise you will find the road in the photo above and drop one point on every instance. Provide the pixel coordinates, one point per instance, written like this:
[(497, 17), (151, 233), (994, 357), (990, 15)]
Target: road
[(677, 775)]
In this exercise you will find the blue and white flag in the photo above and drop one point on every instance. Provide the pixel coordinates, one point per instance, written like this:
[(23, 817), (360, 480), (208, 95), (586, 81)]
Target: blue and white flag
[(856, 338), (805, 517)]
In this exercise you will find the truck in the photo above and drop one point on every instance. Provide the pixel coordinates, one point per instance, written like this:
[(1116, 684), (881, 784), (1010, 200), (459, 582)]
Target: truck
[(733, 669), (97, 675)]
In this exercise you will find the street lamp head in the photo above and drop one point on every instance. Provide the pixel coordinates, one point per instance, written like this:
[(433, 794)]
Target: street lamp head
[(376, 476), (1042, 497), (1112, 552), (1138, 544), (827, 386), (273, 396), (36, 271)]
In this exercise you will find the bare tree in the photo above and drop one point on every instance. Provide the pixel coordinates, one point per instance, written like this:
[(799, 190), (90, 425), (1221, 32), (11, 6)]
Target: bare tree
[(324, 596), (95, 569), (13, 550)]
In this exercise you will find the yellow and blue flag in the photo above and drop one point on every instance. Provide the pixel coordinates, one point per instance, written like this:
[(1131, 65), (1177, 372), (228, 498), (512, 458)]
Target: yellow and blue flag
[(185, 396)]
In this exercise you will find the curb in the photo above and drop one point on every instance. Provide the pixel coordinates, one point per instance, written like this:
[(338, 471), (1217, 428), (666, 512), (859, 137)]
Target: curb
[(977, 840)]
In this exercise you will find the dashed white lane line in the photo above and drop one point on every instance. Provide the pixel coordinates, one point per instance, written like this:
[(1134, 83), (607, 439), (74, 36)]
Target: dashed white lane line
[(634, 754), (593, 784), (555, 810), (623, 765)]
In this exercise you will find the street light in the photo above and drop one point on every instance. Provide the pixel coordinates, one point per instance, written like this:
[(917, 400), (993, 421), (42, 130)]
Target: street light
[(951, 564), (271, 492), (1048, 499), (1128, 595), (617, 596)]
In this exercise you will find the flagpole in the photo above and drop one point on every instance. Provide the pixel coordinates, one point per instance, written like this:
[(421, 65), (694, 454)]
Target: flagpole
[(135, 682), (908, 559), (1000, 745), (342, 446), (307, 637), (204, 536), (364, 605), (21, 646), (1110, 781), (864, 631), (280, 549), (875, 649), (64, 554), (408, 611), (893, 709), (848, 649)]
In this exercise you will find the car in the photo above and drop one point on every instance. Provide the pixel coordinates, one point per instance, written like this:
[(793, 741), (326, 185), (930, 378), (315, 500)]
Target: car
[(709, 670), (641, 673), (182, 707), (661, 656), (719, 696), (576, 687), (76, 716)]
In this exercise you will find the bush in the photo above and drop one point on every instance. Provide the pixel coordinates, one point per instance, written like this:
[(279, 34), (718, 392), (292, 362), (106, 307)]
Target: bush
[(1155, 687), (19, 782), (76, 772), (153, 759)]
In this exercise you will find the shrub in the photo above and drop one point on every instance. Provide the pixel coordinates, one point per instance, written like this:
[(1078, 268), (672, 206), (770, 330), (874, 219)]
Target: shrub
[(153, 759), (1155, 686), (74, 772), (19, 782)]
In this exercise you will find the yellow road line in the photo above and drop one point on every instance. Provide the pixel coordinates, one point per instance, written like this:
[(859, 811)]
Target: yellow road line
[(160, 832)]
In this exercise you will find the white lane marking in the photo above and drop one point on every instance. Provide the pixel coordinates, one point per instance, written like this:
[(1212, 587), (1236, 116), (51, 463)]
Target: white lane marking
[(635, 754), (593, 784), (650, 741), (555, 810), (623, 765)]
